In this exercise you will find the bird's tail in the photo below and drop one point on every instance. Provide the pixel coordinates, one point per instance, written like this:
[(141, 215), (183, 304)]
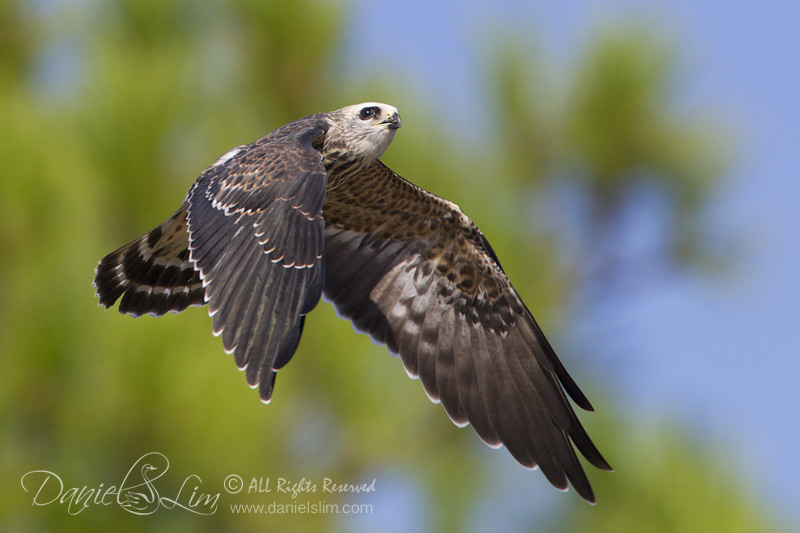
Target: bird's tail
[(152, 274)]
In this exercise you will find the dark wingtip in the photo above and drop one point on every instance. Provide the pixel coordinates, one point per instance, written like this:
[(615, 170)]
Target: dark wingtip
[(267, 387), (602, 464)]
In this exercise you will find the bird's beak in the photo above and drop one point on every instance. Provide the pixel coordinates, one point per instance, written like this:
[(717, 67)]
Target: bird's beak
[(393, 122)]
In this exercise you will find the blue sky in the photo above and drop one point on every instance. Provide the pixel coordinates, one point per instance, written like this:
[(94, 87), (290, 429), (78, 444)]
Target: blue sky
[(719, 355)]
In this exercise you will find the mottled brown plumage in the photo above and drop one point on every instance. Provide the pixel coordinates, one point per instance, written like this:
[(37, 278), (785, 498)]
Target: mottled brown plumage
[(310, 209)]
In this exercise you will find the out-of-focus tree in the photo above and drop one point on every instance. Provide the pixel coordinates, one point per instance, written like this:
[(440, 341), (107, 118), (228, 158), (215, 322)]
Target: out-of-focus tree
[(607, 156), (665, 482), (154, 92)]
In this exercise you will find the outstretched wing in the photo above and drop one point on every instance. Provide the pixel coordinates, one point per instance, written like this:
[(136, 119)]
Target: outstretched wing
[(256, 237), (415, 273)]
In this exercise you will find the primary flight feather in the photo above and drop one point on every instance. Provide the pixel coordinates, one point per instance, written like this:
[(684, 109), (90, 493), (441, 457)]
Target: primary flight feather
[(308, 210)]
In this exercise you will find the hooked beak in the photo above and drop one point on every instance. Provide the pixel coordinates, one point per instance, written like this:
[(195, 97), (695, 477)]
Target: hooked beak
[(393, 122)]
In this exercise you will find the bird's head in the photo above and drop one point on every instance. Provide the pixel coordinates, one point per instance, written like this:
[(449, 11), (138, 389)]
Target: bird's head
[(363, 131)]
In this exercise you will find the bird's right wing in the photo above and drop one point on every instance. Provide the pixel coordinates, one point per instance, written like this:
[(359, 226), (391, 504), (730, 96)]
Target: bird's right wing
[(415, 273)]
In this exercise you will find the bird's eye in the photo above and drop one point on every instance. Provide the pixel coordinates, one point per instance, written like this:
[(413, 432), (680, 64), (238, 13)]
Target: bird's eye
[(368, 112)]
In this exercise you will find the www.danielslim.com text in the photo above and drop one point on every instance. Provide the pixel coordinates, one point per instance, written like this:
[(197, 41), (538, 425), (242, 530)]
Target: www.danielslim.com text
[(307, 507)]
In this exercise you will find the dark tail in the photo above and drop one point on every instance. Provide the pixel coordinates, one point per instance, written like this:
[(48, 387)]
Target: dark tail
[(152, 274)]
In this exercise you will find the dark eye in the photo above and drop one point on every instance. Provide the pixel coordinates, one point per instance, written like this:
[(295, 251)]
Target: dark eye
[(368, 112)]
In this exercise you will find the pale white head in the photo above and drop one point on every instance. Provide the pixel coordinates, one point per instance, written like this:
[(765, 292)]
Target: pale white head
[(363, 131)]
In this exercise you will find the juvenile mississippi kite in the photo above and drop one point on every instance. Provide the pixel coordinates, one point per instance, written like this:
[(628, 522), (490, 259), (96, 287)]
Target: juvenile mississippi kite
[(310, 210)]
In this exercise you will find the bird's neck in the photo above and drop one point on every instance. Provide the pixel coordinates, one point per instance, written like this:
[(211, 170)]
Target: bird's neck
[(341, 164)]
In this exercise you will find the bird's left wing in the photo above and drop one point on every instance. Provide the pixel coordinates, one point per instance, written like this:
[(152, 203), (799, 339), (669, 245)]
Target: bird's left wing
[(414, 272), (256, 237)]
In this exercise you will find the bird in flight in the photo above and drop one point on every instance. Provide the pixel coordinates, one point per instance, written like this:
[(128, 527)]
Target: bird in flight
[(310, 210)]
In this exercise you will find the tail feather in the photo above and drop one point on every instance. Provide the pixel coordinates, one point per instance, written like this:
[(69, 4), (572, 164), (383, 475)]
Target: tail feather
[(153, 274)]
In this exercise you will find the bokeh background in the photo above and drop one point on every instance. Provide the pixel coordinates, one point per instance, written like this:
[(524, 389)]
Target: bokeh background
[(634, 165)]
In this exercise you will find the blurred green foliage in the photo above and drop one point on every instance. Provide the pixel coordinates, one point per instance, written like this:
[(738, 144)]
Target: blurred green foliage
[(154, 92)]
